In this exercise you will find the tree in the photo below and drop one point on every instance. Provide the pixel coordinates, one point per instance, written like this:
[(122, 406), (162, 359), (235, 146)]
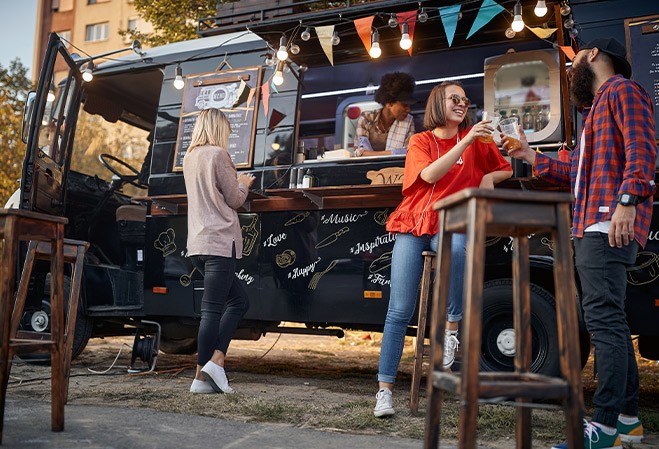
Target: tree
[(172, 20), (14, 84)]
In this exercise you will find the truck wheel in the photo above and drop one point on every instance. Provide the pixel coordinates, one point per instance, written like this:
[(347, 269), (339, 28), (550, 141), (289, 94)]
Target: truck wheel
[(182, 346), (39, 321), (498, 337)]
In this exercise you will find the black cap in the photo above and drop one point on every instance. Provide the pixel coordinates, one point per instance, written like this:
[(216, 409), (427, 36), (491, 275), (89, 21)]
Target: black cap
[(615, 50)]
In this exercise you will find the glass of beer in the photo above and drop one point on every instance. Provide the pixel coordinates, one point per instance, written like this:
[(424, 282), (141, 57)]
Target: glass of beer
[(510, 128), (494, 118)]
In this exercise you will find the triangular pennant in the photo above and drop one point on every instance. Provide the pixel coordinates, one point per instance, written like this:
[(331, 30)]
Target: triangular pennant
[(363, 27), (410, 18), (450, 15), (542, 33), (569, 51), (275, 119), (488, 10), (273, 86), (325, 34), (265, 93)]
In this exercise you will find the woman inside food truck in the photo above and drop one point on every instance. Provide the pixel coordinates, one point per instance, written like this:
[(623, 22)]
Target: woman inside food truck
[(447, 158), (387, 130)]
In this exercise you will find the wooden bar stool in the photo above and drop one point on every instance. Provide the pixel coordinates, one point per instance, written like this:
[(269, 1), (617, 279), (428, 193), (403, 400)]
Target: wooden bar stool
[(421, 349), (479, 213), (17, 225)]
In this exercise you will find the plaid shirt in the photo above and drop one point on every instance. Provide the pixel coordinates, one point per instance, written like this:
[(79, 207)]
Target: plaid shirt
[(619, 157), (397, 138)]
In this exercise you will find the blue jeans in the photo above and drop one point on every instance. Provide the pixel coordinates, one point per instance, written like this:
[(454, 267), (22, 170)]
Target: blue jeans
[(603, 277), (406, 270)]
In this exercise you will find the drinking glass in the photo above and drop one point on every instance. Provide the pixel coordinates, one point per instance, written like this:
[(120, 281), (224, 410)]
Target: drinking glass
[(494, 118), (510, 128)]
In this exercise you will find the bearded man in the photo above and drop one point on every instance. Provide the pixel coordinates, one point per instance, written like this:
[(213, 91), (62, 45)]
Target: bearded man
[(612, 178)]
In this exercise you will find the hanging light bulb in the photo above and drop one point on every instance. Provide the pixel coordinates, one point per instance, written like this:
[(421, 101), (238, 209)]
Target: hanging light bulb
[(423, 15), (573, 33), (282, 54), (375, 50), (306, 34), (178, 80), (565, 9), (540, 8), (569, 23), (510, 33), (278, 78), (336, 39), (51, 94), (393, 23), (88, 72), (269, 60), (518, 22), (304, 67), (295, 49), (405, 41)]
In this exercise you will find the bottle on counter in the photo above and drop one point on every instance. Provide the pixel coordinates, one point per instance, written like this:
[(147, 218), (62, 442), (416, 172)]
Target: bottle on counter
[(292, 183), (307, 180), (300, 178), (527, 120), (543, 117), (513, 114)]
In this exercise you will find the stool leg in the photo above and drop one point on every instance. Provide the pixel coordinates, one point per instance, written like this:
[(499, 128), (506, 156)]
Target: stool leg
[(420, 334), (21, 296), (437, 328), (72, 316), (473, 292), (7, 278), (568, 331), (57, 330), (522, 317)]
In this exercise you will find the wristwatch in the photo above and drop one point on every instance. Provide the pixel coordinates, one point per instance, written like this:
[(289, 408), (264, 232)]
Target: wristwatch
[(627, 199)]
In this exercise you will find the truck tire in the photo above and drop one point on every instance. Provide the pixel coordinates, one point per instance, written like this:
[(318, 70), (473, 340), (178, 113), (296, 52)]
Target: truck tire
[(83, 328), (181, 346), (498, 338)]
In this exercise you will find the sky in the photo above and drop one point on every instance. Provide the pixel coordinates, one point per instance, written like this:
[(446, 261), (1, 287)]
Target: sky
[(17, 26)]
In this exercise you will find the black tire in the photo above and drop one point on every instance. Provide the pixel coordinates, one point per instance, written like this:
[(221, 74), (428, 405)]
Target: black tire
[(498, 323), (181, 346), (83, 328)]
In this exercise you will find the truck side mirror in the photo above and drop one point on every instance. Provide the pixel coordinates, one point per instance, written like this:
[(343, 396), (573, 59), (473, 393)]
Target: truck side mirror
[(28, 109)]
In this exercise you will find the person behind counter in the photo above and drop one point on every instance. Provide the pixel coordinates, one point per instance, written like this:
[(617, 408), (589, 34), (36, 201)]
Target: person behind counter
[(443, 160), (215, 242), (387, 130)]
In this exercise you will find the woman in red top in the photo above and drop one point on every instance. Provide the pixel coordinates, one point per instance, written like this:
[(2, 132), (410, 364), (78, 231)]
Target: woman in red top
[(443, 160)]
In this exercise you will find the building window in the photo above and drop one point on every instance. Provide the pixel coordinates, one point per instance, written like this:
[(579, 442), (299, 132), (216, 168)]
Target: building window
[(91, 2), (132, 24), (65, 36), (97, 32)]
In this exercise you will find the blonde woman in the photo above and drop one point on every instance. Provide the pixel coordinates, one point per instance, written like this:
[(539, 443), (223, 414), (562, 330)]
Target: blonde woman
[(215, 243)]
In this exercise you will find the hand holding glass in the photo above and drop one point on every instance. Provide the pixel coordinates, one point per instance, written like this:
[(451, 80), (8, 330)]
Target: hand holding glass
[(494, 118), (510, 128)]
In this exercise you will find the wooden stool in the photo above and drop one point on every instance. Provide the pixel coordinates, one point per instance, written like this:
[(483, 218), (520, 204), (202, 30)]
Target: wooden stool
[(479, 213), (16, 225), (421, 349)]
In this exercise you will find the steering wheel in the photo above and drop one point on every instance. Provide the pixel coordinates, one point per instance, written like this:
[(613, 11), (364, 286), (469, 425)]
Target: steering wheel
[(105, 159)]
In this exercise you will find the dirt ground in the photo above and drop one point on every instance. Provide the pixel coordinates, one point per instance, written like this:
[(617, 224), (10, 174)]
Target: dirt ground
[(309, 381)]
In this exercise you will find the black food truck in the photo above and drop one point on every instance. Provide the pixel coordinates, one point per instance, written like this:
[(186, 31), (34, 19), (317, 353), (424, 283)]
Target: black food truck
[(106, 137)]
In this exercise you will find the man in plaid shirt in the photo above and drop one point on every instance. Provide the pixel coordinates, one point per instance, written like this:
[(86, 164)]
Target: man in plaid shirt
[(612, 179)]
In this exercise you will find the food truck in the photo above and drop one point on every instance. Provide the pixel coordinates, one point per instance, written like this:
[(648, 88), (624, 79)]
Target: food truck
[(106, 151)]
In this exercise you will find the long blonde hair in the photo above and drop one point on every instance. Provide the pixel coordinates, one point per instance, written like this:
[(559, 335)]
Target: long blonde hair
[(211, 128)]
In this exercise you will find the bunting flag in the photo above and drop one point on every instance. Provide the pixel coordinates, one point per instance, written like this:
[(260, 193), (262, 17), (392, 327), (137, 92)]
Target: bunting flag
[(275, 119), (273, 86), (488, 10), (265, 93), (363, 27), (325, 34), (569, 51), (450, 15), (410, 18), (542, 33)]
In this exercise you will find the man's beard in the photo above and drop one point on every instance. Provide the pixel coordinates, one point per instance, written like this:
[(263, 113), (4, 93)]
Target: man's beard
[(582, 78)]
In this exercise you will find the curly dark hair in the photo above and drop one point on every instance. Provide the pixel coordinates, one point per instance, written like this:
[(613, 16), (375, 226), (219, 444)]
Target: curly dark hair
[(391, 86)]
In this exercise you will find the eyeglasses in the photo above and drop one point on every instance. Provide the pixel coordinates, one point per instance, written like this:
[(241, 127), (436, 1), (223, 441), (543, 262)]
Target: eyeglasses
[(457, 99)]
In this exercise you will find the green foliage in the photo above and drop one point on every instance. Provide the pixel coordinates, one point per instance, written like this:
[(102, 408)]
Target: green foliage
[(14, 85), (172, 20)]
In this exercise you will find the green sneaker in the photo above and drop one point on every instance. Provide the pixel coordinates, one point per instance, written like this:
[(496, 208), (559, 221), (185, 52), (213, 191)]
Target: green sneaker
[(630, 433), (595, 438)]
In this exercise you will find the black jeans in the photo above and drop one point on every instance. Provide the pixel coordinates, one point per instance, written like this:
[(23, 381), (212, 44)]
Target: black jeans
[(222, 307), (603, 282)]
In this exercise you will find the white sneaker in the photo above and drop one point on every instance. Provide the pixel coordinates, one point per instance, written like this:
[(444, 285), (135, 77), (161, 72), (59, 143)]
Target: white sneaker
[(201, 387), (451, 344), (385, 403), (216, 376)]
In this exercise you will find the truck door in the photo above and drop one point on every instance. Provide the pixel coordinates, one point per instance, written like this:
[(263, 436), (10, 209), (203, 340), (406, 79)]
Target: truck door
[(51, 127)]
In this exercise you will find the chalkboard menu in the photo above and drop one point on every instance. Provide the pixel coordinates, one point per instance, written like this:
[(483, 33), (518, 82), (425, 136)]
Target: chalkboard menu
[(643, 47), (234, 92)]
